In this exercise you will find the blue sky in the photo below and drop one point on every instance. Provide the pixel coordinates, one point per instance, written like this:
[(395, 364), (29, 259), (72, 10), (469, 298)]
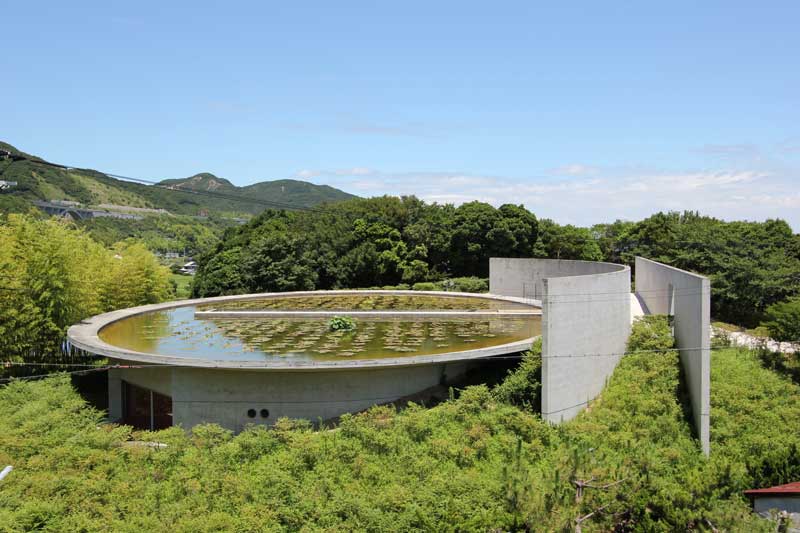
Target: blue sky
[(584, 112)]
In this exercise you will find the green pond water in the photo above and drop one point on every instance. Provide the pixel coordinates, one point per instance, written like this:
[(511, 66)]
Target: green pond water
[(176, 332), (365, 302)]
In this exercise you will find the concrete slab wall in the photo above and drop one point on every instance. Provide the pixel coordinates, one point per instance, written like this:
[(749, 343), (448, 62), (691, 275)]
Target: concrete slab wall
[(687, 297), (585, 324), (524, 277), (224, 396)]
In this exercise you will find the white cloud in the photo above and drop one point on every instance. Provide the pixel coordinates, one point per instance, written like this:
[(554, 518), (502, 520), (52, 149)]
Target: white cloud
[(603, 196), (305, 174), (574, 170), (355, 171)]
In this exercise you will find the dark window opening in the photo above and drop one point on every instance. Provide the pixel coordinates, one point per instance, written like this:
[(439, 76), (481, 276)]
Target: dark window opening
[(145, 409)]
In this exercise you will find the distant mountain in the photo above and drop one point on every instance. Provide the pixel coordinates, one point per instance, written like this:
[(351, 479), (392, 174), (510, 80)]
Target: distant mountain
[(295, 192), (292, 192), (204, 181), (200, 194)]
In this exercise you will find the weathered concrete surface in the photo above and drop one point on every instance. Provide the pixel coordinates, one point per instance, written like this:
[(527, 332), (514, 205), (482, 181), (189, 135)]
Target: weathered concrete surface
[(686, 296), (586, 316), (224, 396)]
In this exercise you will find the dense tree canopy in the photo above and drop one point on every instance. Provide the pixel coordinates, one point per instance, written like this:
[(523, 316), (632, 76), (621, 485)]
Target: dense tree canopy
[(388, 240), (365, 243), (751, 264), (566, 242)]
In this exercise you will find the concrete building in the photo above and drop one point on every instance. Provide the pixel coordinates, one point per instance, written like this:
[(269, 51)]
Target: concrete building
[(189, 268), (772, 501), (149, 390), (586, 313)]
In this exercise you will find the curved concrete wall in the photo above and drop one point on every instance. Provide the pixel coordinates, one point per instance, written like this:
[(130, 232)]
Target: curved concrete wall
[(585, 323), (666, 290), (224, 396)]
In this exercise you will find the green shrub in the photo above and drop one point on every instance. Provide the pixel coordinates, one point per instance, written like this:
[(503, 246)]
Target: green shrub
[(467, 284), (783, 320), (342, 323), (651, 333), (425, 286), (523, 385)]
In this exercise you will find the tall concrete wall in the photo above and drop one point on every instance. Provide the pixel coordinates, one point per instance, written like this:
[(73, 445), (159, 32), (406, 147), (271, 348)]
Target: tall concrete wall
[(585, 324), (687, 297)]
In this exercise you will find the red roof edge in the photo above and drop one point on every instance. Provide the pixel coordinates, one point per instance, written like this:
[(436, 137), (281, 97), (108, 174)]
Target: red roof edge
[(789, 488)]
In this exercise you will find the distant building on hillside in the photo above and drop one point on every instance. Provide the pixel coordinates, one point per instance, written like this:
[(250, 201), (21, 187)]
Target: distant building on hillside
[(781, 498), (189, 268), (5, 185)]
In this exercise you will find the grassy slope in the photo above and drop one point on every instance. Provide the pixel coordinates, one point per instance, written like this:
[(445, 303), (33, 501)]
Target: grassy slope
[(183, 285), (474, 462)]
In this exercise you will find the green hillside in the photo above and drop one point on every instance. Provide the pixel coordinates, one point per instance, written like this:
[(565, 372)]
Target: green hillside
[(292, 192), (205, 181), (187, 196)]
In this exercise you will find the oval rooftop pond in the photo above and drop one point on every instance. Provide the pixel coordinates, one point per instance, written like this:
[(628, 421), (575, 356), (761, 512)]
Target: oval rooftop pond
[(282, 336)]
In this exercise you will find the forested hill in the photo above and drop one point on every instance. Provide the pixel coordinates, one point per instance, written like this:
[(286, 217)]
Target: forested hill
[(292, 192), (178, 196)]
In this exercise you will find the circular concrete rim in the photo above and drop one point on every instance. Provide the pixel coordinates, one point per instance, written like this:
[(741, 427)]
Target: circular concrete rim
[(84, 335)]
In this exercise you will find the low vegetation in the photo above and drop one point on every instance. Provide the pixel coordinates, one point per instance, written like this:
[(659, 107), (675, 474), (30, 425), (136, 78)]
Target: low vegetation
[(182, 284), (480, 462)]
